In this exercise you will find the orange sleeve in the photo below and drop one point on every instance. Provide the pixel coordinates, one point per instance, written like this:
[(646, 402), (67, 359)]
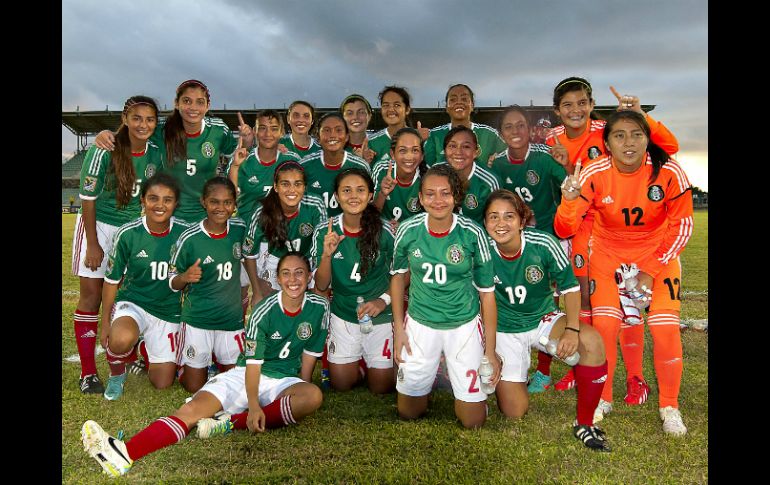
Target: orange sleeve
[(661, 136), (678, 227), (570, 214)]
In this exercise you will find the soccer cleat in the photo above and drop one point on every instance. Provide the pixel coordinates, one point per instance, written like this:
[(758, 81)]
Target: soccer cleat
[(603, 409), (325, 379), (592, 437), (137, 367), (636, 391), (539, 382), (220, 424), (91, 384), (115, 387), (567, 382), (672, 421), (109, 452)]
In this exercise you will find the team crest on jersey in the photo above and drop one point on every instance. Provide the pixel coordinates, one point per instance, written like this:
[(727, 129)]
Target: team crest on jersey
[(655, 193), (591, 287), (471, 202), (594, 152), (400, 374), (237, 250), (250, 348), (248, 244), (455, 254), (150, 170), (332, 347), (532, 177), (533, 274), (304, 331), (207, 149), (579, 261), (89, 184), (305, 229), (190, 352), (413, 204)]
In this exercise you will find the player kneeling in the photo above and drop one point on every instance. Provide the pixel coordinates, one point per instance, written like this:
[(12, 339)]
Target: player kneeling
[(526, 261), (284, 337)]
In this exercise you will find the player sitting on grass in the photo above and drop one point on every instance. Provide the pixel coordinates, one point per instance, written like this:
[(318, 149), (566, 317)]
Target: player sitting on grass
[(284, 337)]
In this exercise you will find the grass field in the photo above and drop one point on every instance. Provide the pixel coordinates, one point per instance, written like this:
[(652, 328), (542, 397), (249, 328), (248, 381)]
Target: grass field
[(357, 438)]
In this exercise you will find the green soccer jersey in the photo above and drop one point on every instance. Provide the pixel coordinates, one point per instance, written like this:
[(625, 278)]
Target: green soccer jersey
[(255, 179), (404, 201), (379, 143), (537, 181), (287, 141), (488, 139), (481, 183), (447, 271), (523, 284), (347, 280), (277, 339), (214, 302), (300, 228), (320, 178), (203, 152), (141, 260), (96, 183)]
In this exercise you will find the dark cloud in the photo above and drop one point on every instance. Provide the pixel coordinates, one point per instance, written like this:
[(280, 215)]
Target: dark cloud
[(270, 53)]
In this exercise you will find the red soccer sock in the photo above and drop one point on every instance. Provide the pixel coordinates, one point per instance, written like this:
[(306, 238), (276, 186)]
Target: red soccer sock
[(590, 383), (544, 363), (117, 362), (278, 413), (325, 358), (362, 368), (143, 350), (159, 434), (585, 318), (239, 420), (86, 324)]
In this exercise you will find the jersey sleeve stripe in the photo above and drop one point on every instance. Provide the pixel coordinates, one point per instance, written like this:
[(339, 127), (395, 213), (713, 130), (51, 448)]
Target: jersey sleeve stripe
[(599, 165), (481, 237), (685, 231), (487, 178), (679, 174), (572, 289), (409, 223), (256, 317), (96, 161), (553, 247)]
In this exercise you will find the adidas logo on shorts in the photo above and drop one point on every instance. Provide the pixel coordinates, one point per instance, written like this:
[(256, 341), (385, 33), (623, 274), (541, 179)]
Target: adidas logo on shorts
[(208, 260), (276, 336), (142, 254)]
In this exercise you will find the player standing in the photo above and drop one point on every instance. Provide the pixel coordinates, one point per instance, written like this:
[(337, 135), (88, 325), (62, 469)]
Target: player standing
[(300, 117), (395, 106)]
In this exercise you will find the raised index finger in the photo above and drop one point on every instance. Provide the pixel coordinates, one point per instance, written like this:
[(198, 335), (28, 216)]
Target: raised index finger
[(240, 119), (617, 94), (556, 138), (330, 226), (578, 166)]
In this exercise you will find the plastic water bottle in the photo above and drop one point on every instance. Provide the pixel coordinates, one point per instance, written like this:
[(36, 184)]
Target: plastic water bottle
[(365, 322), (485, 375), (552, 344)]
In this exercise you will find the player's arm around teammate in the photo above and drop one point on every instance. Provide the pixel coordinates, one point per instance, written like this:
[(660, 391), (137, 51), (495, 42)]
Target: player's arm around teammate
[(526, 263), (352, 253), (451, 301), (285, 335), (144, 304)]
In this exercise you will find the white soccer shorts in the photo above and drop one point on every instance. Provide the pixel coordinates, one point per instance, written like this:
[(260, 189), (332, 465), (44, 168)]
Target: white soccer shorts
[(230, 389), (197, 345), (346, 344), (160, 337), (104, 234), (514, 349)]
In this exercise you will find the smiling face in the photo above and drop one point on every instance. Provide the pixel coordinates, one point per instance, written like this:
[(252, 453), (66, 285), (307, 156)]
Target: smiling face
[(514, 130), (574, 109), (353, 194), (192, 105), (290, 188), (219, 203), (407, 153), (293, 276), (332, 134), (436, 197), (141, 121), (459, 103), (300, 119), (627, 142), (503, 223), (356, 116), (394, 110), (460, 151), (159, 203), (269, 131)]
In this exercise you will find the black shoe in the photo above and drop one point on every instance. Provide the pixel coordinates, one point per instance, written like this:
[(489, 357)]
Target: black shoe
[(592, 437), (91, 384), (137, 367)]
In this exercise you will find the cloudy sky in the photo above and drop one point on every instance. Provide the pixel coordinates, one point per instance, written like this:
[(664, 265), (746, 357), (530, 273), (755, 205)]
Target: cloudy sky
[(269, 53)]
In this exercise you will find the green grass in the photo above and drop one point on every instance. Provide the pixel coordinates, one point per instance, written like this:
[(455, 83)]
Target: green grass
[(357, 438)]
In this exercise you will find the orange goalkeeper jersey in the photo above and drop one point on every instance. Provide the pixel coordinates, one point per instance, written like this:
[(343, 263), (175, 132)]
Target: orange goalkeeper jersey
[(640, 221)]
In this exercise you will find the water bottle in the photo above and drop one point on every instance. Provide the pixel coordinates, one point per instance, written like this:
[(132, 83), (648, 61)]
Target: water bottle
[(485, 374), (631, 314), (552, 344), (365, 322)]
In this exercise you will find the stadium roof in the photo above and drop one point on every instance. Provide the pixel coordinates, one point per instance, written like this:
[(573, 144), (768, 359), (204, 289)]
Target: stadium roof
[(86, 123)]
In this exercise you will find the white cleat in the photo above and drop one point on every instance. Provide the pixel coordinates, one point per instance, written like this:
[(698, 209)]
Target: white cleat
[(109, 452), (672, 421), (603, 409)]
